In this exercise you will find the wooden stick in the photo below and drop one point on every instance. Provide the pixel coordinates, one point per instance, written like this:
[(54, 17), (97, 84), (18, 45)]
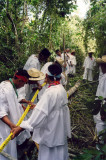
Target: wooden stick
[(7, 155)]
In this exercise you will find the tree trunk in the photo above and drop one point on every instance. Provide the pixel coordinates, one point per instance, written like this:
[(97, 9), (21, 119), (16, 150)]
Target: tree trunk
[(50, 41), (25, 15), (13, 24), (73, 89), (7, 155)]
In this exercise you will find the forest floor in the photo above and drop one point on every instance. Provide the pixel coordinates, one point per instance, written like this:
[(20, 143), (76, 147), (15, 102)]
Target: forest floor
[(82, 124)]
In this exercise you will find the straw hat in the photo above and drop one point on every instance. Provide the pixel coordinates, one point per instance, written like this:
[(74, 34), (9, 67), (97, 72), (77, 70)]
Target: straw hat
[(101, 60), (35, 74), (60, 61), (72, 51)]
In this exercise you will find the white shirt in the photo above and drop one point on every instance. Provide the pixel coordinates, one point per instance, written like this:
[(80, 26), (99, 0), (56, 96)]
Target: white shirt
[(89, 63), (72, 60), (101, 89), (50, 119), (32, 62), (9, 106)]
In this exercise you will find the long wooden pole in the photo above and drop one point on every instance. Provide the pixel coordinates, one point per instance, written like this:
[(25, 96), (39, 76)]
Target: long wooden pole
[(64, 50)]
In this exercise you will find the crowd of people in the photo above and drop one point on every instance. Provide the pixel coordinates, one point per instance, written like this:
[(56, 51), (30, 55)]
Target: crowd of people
[(48, 121)]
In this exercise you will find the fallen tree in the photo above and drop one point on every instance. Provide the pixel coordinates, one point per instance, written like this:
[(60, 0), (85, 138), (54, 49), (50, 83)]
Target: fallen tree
[(74, 88)]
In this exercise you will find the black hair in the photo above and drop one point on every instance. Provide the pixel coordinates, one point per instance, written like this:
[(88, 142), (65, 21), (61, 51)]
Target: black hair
[(54, 69), (73, 53), (22, 72), (57, 50), (45, 52), (57, 63), (90, 54)]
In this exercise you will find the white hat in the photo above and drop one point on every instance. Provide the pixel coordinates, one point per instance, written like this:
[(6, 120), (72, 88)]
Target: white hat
[(35, 74), (101, 60)]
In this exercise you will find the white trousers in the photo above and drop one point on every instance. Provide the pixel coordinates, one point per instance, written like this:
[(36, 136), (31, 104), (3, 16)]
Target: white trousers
[(88, 74), (53, 153)]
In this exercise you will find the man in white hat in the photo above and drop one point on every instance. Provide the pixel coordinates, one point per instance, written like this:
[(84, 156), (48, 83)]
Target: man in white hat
[(88, 65), (27, 92), (100, 118), (50, 119)]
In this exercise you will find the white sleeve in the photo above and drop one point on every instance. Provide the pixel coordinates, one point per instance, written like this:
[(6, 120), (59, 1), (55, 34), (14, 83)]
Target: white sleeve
[(85, 62), (36, 119), (39, 114), (21, 93), (74, 61), (3, 104)]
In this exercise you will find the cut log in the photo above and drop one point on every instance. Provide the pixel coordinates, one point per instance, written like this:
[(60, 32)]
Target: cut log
[(7, 155), (73, 89)]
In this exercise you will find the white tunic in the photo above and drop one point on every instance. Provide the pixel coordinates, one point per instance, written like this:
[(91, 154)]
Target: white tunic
[(89, 63), (67, 65), (101, 91), (100, 73), (32, 62), (72, 64), (50, 121), (9, 106), (44, 69), (27, 93)]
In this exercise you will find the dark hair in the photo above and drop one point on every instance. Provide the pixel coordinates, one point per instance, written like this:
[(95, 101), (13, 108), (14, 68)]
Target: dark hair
[(90, 53), (54, 69), (45, 52), (22, 72), (73, 53), (57, 51)]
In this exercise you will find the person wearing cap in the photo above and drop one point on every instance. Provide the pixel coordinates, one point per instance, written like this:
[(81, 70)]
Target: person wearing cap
[(100, 118), (50, 119), (88, 66), (34, 61), (11, 111), (27, 92)]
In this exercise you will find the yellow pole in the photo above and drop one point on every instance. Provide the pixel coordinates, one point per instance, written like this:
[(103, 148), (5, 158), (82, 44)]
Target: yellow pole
[(20, 120)]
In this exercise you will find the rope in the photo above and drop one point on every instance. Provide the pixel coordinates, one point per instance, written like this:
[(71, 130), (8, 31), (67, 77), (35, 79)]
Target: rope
[(20, 120)]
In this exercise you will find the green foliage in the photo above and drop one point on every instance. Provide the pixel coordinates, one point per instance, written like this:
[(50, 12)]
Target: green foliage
[(92, 154), (95, 26), (94, 106)]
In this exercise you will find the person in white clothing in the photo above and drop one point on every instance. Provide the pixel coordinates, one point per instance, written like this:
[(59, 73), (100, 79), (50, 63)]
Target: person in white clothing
[(34, 61), (66, 56), (89, 64), (100, 118), (58, 53), (72, 63), (50, 119), (27, 92), (44, 69), (11, 111)]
